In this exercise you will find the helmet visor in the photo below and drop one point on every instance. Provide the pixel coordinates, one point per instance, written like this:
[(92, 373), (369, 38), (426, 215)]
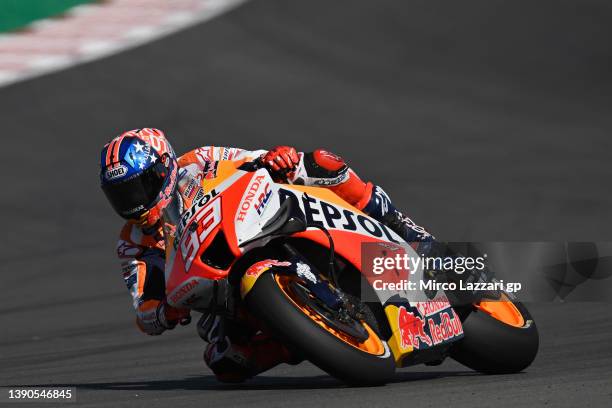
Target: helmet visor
[(132, 197)]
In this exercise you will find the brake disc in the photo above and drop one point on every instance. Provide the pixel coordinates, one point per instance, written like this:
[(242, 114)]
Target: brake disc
[(337, 320)]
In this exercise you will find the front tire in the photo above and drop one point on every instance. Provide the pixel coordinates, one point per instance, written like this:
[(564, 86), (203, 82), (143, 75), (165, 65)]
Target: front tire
[(494, 344), (366, 363)]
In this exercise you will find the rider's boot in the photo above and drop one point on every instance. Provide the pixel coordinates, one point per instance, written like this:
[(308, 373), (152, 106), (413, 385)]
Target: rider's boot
[(234, 362), (380, 207), (234, 354)]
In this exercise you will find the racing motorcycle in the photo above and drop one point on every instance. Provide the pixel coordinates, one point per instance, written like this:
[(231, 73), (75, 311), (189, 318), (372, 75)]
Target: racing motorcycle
[(291, 256)]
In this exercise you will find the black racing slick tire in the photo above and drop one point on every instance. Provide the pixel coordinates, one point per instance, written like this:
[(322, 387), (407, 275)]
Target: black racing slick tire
[(492, 346), (292, 321)]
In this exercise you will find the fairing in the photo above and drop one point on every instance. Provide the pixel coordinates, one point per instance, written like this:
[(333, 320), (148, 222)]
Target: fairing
[(239, 203)]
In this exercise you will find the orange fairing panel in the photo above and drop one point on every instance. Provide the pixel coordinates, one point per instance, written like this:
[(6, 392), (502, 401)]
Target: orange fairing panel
[(239, 203), (503, 310), (202, 222), (348, 226)]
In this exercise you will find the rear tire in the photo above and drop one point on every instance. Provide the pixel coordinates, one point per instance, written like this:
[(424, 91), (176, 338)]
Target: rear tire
[(494, 347), (356, 367)]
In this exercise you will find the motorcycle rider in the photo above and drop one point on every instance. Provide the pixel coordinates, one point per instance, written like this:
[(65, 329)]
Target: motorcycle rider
[(141, 175)]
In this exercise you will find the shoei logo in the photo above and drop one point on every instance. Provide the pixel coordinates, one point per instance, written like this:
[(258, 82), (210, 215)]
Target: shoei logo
[(115, 172)]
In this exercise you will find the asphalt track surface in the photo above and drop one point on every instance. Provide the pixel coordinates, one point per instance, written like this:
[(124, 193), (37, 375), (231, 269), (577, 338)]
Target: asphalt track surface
[(485, 120)]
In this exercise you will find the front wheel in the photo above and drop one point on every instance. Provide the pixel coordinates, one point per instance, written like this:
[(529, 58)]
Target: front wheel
[(350, 351), (501, 337)]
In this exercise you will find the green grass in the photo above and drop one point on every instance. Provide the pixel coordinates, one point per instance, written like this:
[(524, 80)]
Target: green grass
[(15, 14)]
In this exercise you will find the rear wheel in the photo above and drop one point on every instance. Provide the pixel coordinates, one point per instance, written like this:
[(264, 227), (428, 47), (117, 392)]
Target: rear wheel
[(500, 337), (350, 350)]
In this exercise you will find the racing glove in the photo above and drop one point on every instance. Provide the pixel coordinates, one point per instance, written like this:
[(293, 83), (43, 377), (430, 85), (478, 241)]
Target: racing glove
[(154, 317), (281, 161)]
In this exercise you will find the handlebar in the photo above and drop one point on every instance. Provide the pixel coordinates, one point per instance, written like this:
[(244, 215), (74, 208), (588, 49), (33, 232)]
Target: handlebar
[(252, 166)]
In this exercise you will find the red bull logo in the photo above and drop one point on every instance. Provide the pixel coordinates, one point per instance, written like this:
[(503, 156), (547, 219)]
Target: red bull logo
[(449, 327), (260, 267), (412, 330)]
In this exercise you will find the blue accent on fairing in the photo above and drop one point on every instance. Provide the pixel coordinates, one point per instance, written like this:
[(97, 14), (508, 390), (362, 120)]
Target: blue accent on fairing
[(136, 156)]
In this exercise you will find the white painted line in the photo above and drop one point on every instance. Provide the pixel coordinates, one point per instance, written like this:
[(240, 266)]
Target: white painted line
[(49, 62), (93, 31), (7, 76)]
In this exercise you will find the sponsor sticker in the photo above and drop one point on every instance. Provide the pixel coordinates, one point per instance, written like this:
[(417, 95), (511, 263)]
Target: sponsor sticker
[(263, 266), (412, 330), (331, 216), (115, 172), (250, 197), (199, 202), (440, 324), (181, 292), (263, 199), (448, 327), (431, 307)]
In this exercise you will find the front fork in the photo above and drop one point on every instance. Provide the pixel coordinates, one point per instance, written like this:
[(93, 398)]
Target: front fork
[(322, 288), (310, 279)]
